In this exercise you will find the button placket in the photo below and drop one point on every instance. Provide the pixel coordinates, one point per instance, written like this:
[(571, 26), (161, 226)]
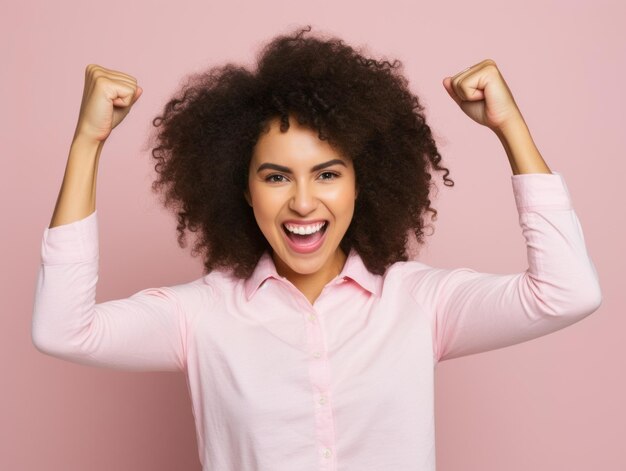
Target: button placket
[(319, 373)]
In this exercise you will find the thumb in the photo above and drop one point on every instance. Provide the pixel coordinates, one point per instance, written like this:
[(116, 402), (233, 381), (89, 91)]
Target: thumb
[(128, 100)]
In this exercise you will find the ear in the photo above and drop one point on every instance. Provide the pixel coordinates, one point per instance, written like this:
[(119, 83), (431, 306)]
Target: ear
[(246, 195)]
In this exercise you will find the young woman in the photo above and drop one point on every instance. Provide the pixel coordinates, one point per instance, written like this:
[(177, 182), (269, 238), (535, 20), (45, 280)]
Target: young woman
[(310, 342)]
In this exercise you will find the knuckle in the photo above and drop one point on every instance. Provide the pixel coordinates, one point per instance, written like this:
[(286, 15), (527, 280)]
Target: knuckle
[(94, 71), (493, 68), (492, 65), (99, 78)]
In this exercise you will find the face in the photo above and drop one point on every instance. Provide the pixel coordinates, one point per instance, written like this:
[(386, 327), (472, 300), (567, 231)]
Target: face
[(298, 179)]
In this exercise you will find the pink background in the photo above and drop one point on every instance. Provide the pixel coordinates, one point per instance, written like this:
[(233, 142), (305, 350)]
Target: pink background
[(553, 403)]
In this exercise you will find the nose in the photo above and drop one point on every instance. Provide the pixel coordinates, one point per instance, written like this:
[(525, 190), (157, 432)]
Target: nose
[(303, 199)]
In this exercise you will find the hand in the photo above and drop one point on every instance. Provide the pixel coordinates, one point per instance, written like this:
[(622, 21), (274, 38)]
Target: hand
[(484, 96), (108, 96)]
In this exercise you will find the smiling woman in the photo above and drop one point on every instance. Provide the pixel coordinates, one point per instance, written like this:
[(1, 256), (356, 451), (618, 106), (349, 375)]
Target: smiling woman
[(310, 341)]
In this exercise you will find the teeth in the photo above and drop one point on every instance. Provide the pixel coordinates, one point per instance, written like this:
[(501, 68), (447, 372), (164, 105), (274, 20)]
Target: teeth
[(304, 230)]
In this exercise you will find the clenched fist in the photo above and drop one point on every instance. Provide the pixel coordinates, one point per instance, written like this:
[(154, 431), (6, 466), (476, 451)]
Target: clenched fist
[(108, 96), (484, 96)]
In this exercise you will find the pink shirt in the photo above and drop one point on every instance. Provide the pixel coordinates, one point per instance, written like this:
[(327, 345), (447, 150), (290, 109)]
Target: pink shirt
[(344, 384)]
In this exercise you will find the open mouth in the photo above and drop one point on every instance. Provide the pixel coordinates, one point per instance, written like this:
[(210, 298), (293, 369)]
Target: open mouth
[(306, 243)]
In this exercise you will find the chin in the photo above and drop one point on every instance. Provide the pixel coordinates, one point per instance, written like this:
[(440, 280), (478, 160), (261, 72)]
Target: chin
[(303, 264)]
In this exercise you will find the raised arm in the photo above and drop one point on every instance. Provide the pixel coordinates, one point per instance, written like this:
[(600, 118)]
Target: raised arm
[(143, 332), (474, 312)]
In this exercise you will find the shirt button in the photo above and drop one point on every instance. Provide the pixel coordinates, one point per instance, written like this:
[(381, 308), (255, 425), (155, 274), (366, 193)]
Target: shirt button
[(312, 318), (327, 453), (317, 355), (323, 400)]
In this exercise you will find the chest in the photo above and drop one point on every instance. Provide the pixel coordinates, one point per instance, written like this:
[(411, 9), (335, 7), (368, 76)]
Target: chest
[(279, 360)]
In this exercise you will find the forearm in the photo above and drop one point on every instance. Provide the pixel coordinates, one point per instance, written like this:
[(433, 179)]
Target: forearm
[(77, 196), (523, 155)]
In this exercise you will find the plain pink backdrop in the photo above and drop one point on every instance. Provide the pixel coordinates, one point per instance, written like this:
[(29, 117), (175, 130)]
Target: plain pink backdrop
[(553, 403)]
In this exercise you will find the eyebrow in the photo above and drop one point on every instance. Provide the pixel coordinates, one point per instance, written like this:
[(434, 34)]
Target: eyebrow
[(280, 168)]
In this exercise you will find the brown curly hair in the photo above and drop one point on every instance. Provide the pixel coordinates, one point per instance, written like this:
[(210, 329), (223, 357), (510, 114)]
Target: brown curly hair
[(363, 107)]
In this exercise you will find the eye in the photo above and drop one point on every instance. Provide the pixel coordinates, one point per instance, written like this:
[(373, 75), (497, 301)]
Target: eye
[(270, 177), (333, 174)]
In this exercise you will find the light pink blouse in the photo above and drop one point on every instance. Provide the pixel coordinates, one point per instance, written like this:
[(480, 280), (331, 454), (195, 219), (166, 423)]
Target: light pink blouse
[(344, 384)]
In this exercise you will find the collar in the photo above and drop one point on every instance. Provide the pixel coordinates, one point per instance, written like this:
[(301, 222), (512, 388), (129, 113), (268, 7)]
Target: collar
[(353, 269)]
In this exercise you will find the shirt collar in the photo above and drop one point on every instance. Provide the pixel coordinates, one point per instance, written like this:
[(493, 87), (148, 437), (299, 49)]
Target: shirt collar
[(354, 269)]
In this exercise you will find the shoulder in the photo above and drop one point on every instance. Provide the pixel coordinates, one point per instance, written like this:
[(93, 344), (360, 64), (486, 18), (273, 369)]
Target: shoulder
[(416, 278), (219, 283), (200, 291), (408, 271)]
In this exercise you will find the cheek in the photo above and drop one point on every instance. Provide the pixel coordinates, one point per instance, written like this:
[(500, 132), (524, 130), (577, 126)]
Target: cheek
[(266, 206), (343, 199)]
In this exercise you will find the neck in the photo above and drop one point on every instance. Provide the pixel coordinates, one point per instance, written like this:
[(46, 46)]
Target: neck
[(312, 284)]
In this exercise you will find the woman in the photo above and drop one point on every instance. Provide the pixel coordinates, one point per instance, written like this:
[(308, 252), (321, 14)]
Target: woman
[(310, 342)]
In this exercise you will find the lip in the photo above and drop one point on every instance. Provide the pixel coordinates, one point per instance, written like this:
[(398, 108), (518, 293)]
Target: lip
[(309, 248)]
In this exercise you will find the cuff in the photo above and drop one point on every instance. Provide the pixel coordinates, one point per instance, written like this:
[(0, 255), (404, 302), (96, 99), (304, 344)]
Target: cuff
[(540, 191), (71, 243)]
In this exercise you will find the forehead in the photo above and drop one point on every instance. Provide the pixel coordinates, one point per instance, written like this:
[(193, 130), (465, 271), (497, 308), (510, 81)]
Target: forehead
[(298, 144)]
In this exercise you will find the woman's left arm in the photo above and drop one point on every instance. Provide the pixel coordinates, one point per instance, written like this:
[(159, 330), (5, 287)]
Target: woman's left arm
[(483, 95), (474, 312)]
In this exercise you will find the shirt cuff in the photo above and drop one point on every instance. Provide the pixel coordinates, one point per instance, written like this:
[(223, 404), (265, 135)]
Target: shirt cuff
[(540, 191), (71, 243)]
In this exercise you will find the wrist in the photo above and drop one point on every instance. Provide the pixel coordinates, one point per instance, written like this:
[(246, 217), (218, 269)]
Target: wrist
[(523, 155), (512, 130), (85, 146)]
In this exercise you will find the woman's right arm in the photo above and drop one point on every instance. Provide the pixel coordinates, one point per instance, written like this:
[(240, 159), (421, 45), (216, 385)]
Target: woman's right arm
[(108, 96), (144, 332)]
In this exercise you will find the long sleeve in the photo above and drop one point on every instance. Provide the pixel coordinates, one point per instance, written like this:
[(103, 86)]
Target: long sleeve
[(474, 312), (144, 332)]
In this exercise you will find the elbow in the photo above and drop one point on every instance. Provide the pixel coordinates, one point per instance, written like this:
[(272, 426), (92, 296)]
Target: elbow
[(591, 296), (44, 340), (594, 300), (589, 293), (585, 302), (40, 341), (575, 302), (52, 348)]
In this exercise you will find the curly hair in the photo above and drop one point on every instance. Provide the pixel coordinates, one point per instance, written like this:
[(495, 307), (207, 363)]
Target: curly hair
[(361, 106)]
